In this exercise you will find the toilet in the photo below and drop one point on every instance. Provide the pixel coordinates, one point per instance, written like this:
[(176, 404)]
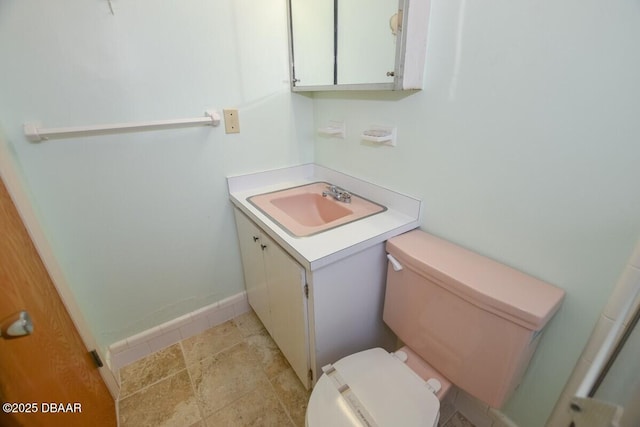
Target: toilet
[(464, 319)]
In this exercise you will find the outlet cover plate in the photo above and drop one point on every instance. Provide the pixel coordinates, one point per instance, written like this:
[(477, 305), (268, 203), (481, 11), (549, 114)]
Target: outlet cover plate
[(231, 121)]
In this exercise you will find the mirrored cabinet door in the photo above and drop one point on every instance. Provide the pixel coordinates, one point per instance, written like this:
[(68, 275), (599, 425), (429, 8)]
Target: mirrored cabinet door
[(366, 41), (312, 41), (357, 44)]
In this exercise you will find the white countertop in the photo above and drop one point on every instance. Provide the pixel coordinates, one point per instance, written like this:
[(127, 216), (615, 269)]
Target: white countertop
[(316, 251)]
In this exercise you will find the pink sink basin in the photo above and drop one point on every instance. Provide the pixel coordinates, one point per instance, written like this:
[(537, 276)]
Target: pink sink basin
[(303, 211)]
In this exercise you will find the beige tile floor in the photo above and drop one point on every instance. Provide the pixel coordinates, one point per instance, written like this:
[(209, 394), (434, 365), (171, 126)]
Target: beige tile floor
[(458, 420), (230, 375)]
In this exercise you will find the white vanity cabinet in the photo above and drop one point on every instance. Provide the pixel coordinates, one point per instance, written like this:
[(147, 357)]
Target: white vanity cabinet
[(320, 297), (275, 285), (315, 317)]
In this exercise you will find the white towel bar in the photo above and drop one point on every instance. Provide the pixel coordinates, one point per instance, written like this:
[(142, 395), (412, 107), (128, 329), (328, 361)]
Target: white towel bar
[(600, 360), (36, 134)]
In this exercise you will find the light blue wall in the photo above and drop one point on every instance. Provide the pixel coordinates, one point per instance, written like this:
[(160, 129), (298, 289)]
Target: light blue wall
[(141, 223), (524, 146)]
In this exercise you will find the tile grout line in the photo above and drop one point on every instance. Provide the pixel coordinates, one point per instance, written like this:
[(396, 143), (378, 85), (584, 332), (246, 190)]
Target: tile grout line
[(269, 380), (193, 387), (191, 383), (282, 405), (235, 400), (246, 331), (244, 394), (251, 333), (200, 361), (151, 384), (200, 408)]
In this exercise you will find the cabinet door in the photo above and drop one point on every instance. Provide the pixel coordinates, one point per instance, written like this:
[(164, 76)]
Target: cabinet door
[(255, 280), (288, 307)]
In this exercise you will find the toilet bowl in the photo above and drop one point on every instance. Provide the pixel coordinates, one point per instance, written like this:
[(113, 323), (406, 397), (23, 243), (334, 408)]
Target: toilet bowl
[(371, 388), (464, 318)]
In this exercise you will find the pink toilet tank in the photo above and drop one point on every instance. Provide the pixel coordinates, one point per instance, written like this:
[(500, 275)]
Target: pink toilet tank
[(474, 320)]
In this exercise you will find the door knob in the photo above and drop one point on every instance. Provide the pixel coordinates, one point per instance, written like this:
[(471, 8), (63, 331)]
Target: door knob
[(16, 325)]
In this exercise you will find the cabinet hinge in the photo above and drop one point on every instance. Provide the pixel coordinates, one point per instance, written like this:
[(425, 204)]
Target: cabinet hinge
[(306, 290), (96, 358)]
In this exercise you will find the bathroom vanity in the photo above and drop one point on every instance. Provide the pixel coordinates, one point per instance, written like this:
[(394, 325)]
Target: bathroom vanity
[(320, 296)]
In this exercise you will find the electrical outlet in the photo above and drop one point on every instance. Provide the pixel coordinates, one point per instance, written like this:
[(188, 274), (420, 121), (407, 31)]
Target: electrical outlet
[(231, 121)]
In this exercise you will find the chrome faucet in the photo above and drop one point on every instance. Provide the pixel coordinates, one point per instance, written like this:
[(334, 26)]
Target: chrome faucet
[(337, 193)]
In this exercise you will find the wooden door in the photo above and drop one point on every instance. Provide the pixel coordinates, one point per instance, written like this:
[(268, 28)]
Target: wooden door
[(47, 378)]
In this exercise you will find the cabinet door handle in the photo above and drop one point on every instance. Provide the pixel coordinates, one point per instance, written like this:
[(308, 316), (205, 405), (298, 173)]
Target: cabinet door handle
[(256, 238), (263, 247)]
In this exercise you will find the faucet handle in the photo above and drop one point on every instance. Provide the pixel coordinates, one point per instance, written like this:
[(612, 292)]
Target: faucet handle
[(334, 189)]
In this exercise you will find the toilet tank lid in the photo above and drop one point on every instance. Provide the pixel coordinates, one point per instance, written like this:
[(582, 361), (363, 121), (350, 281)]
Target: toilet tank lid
[(486, 283)]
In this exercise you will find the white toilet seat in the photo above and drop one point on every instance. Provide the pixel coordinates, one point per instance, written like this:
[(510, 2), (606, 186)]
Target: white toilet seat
[(388, 390)]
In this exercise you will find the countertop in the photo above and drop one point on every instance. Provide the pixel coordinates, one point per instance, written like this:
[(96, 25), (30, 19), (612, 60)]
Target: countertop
[(316, 251)]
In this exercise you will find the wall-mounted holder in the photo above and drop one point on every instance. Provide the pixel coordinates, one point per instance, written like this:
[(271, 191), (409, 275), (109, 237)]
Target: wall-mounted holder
[(334, 129), (385, 135)]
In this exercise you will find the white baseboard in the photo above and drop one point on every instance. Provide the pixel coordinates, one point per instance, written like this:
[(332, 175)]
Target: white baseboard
[(136, 347)]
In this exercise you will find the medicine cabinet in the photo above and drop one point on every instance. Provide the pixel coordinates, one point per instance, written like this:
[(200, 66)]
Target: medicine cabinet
[(357, 44)]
